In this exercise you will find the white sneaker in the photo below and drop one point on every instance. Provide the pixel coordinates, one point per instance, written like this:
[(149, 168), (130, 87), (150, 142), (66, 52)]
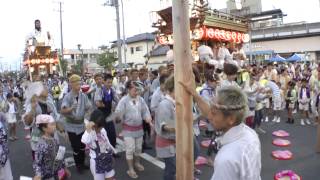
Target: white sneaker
[(274, 119), (308, 122), (302, 122), (267, 119), (278, 120)]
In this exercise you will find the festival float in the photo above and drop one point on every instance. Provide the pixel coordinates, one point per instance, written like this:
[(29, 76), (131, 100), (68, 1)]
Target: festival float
[(208, 27), (39, 58)]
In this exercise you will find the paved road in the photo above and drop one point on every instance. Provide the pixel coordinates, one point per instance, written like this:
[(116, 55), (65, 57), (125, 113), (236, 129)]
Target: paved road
[(305, 161)]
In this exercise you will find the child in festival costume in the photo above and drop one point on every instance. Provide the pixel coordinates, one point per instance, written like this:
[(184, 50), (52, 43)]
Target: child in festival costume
[(291, 98), (282, 93), (272, 87), (49, 156), (11, 109), (95, 137), (304, 100), (5, 167), (260, 96)]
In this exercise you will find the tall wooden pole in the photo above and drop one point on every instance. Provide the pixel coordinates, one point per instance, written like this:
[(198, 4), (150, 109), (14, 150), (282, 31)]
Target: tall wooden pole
[(182, 73)]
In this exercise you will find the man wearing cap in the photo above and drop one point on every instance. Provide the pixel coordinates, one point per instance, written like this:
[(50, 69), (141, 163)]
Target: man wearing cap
[(75, 106)]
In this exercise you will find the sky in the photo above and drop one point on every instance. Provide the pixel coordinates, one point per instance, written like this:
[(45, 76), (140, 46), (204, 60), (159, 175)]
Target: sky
[(89, 23)]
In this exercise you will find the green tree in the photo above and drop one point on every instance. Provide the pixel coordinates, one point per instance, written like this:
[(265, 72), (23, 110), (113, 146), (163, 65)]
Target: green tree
[(78, 67), (106, 59), (64, 66)]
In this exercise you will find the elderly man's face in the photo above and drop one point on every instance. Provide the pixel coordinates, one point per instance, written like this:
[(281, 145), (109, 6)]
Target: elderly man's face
[(219, 121)]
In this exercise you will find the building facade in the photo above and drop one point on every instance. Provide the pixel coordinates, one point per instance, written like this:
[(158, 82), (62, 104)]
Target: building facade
[(89, 56), (301, 38), (135, 48)]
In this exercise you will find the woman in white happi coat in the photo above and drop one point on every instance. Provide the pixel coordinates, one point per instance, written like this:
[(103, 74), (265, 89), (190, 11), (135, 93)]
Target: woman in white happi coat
[(133, 110)]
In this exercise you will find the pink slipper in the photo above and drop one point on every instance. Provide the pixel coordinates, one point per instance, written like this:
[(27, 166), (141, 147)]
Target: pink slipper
[(27, 137), (206, 143), (287, 174), (282, 155), (202, 124), (201, 161), (281, 133), (120, 135), (281, 142)]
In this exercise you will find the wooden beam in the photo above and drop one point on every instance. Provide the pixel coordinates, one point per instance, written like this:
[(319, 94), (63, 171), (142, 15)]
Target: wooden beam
[(182, 73)]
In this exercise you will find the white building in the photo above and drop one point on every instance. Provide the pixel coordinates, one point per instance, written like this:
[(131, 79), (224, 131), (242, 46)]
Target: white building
[(89, 56), (301, 38), (137, 47)]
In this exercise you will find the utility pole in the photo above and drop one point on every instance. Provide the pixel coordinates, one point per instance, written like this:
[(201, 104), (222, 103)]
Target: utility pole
[(61, 37), (124, 35), (115, 3), (182, 73)]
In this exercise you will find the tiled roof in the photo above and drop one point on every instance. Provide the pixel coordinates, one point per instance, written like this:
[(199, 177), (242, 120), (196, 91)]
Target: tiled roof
[(138, 38), (159, 51)]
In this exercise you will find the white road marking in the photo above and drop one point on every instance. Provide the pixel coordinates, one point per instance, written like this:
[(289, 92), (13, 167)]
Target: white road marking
[(25, 178), (153, 160), (145, 156)]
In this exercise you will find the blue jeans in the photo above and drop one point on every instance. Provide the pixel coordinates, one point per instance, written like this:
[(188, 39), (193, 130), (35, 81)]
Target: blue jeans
[(170, 168)]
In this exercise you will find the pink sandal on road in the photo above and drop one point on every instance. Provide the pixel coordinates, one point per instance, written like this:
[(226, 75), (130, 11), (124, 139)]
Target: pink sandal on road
[(281, 133), (287, 174)]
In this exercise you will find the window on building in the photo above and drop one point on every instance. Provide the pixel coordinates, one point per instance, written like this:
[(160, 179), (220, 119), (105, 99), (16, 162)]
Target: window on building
[(139, 48), (132, 50)]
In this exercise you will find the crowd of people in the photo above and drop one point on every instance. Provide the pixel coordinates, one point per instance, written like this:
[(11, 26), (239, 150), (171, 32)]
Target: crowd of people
[(234, 100)]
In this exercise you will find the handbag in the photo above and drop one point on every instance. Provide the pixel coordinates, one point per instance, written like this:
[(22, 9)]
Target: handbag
[(104, 161)]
